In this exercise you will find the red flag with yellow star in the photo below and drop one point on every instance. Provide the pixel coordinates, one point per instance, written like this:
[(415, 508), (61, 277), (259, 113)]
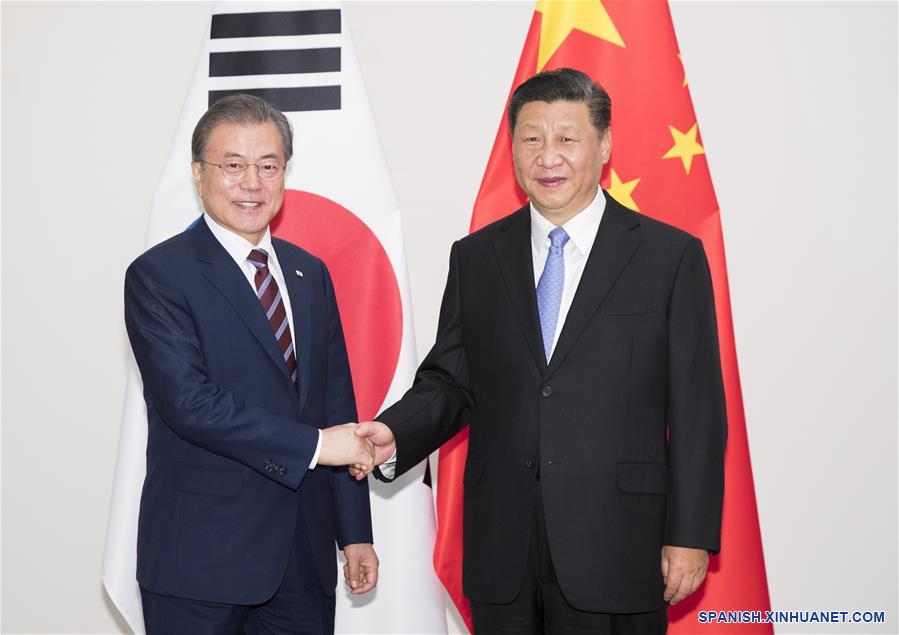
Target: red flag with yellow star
[(657, 167)]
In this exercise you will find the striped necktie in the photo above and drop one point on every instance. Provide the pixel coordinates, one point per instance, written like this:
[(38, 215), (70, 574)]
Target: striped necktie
[(270, 296)]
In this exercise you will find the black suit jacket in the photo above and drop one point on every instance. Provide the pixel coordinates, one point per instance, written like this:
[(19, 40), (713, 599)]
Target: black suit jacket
[(626, 424)]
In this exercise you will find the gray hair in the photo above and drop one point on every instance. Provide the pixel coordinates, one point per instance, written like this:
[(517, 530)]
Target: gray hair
[(564, 84), (240, 109)]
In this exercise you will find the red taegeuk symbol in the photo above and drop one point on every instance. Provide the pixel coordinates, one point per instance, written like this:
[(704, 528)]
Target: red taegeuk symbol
[(368, 296)]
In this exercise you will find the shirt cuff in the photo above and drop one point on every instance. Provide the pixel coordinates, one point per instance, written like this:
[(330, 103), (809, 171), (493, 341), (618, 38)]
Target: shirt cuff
[(318, 449), (388, 467)]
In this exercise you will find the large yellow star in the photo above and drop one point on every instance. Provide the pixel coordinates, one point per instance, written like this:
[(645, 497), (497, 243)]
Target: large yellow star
[(685, 146), (621, 192), (561, 16)]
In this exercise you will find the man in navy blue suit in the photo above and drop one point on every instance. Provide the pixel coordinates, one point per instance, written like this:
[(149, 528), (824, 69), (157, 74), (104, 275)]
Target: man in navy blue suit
[(246, 379)]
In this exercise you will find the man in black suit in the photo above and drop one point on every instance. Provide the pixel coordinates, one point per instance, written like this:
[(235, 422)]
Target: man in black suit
[(578, 339)]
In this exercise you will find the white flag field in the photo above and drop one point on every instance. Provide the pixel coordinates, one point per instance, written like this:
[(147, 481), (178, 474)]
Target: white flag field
[(340, 205)]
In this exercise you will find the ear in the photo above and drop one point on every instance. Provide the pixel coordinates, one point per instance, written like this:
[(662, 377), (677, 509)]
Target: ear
[(197, 168), (605, 146)]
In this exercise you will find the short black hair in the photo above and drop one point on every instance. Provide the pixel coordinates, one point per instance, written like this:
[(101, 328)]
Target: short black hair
[(563, 84)]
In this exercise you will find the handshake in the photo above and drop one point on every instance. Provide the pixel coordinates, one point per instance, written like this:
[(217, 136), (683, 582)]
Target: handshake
[(361, 446)]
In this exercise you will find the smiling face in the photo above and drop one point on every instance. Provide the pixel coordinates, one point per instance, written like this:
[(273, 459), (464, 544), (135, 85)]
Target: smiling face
[(558, 156), (245, 206)]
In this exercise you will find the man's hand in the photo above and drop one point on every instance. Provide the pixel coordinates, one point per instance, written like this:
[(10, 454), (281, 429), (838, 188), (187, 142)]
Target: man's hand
[(341, 447), (361, 568), (683, 570), (384, 446)]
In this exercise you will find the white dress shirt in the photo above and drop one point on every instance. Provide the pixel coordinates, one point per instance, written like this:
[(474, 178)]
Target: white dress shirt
[(239, 248), (581, 230)]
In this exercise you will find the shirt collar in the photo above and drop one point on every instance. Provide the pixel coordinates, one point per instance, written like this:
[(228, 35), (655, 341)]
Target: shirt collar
[(581, 228), (238, 247)]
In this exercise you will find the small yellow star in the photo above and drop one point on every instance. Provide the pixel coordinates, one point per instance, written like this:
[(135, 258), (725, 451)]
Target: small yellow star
[(685, 146), (561, 16), (683, 69), (621, 191)]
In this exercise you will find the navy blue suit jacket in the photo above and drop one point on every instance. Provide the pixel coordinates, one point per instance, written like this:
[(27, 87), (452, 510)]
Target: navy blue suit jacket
[(230, 438)]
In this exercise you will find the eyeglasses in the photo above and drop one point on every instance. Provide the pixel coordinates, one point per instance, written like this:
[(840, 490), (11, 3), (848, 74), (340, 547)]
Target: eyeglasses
[(235, 170)]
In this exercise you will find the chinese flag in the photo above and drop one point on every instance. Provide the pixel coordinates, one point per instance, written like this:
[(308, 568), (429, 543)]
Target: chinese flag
[(658, 167)]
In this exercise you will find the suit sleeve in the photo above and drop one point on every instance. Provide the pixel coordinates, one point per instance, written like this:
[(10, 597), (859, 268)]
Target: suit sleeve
[(439, 403), (167, 349), (352, 509), (697, 418)]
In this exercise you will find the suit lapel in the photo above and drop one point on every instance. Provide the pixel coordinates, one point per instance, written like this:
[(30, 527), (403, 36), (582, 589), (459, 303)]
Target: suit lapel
[(227, 277), (300, 308), (616, 241), (512, 245)]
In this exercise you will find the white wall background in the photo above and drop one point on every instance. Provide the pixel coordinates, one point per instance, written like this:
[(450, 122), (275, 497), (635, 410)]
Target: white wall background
[(798, 108)]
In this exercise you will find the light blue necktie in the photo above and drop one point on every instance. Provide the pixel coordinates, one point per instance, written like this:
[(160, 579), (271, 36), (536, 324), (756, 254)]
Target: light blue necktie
[(549, 289)]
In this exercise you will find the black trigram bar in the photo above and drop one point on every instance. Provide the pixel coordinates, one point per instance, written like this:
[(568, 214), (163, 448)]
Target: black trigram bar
[(273, 23), (290, 99), (323, 60)]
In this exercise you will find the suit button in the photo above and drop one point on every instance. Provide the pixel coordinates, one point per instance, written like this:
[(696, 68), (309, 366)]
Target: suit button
[(530, 463), (547, 390)]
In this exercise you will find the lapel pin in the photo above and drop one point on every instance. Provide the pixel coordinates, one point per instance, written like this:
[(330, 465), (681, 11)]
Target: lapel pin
[(299, 273)]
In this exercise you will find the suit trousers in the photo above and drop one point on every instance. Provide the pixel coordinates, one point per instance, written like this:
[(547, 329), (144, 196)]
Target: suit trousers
[(541, 607), (298, 607)]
